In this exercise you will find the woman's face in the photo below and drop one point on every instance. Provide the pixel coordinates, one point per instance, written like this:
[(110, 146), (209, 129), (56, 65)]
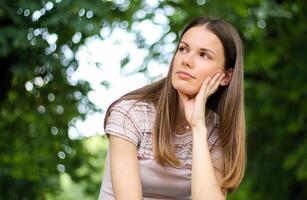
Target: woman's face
[(200, 54)]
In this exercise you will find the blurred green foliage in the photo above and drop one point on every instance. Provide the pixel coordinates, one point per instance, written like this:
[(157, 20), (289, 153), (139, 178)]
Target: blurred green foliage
[(39, 101)]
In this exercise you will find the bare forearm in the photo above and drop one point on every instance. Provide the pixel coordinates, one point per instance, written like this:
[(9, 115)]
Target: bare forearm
[(125, 176), (204, 182)]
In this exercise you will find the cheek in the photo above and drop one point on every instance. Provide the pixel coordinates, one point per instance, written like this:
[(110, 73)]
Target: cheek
[(173, 76), (175, 66), (175, 83), (190, 88), (176, 61), (204, 74), (208, 72)]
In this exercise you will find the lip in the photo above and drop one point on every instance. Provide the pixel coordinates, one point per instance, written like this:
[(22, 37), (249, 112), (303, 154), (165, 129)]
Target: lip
[(184, 75)]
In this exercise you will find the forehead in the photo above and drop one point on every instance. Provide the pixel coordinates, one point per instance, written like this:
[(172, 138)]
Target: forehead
[(201, 37)]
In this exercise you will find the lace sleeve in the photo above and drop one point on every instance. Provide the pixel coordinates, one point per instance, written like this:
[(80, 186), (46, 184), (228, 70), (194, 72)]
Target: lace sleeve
[(120, 123)]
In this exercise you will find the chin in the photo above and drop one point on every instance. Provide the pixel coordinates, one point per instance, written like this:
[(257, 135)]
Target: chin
[(188, 92), (186, 88), (191, 92)]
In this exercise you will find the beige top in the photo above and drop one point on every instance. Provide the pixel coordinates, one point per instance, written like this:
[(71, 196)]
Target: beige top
[(133, 122)]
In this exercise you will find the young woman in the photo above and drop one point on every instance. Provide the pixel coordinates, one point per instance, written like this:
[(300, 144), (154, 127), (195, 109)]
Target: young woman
[(182, 137)]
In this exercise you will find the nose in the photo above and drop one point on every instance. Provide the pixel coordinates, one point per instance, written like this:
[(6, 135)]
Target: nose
[(187, 60)]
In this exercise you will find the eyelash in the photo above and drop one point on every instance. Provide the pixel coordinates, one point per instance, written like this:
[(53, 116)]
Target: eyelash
[(180, 49), (206, 54)]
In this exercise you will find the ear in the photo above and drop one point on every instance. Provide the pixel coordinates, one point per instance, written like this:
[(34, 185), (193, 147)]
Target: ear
[(227, 78)]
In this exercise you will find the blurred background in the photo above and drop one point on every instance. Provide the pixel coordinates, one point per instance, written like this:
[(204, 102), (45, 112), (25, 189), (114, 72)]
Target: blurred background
[(64, 61)]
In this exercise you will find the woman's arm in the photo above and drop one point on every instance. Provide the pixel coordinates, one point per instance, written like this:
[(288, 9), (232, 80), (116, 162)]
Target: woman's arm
[(206, 182), (125, 175)]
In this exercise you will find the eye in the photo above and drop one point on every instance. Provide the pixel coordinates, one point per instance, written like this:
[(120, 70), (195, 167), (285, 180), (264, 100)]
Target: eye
[(182, 49), (205, 55)]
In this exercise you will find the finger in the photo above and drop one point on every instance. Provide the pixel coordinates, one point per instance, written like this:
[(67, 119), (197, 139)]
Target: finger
[(218, 81), (203, 90), (209, 85), (214, 80), (214, 86), (204, 86)]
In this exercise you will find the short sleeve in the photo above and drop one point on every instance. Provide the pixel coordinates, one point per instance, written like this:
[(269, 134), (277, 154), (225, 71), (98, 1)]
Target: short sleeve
[(120, 122)]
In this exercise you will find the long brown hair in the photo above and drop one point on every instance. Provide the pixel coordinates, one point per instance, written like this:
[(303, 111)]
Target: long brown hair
[(227, 102)]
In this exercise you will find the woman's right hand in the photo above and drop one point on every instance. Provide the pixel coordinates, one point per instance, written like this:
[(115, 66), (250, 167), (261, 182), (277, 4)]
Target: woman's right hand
[(195, 107)]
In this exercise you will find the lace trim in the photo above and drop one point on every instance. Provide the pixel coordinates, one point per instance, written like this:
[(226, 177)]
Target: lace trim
[(143, 117), (183, 148)]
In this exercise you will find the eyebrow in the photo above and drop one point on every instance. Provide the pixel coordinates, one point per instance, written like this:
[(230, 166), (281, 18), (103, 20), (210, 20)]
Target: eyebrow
[(203, 49)]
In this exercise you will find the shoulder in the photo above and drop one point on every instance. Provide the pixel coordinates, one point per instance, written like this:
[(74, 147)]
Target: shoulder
[(133, 106), (140, 112), (126, 120)]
